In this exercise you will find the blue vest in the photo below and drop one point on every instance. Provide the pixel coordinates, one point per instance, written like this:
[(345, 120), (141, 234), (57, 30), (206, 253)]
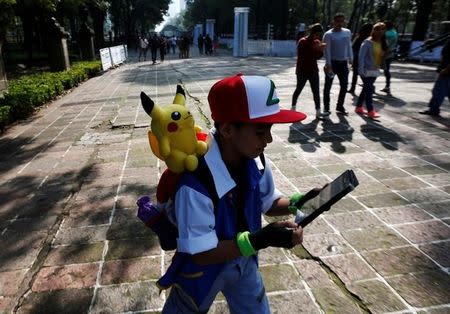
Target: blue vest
[(197, 280)]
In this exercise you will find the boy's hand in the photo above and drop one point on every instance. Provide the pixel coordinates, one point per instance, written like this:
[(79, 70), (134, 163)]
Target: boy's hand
[(285, 234), (297, 200)]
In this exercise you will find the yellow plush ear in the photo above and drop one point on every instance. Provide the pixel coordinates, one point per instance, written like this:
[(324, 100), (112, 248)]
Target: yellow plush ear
[(180, 97)]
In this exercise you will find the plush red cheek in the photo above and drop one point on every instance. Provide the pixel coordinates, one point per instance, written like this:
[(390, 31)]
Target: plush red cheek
[(172, 127)]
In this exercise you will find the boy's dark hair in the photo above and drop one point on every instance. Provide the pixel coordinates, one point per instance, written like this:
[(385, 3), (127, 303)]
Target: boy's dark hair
[(315, 28), (389, 24), (338, 15)]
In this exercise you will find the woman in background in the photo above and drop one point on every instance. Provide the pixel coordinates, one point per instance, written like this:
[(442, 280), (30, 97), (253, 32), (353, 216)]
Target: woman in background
[(370, 60), (363, 33)]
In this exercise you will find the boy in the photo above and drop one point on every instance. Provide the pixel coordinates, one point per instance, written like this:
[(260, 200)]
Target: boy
[(219, 236)]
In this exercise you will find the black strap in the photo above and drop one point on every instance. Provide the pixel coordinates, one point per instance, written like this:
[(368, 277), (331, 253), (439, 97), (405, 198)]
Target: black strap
[(203, 174)]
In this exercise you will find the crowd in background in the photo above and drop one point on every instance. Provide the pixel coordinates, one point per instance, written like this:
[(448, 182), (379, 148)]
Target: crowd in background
[(372, 49), (163, 45)]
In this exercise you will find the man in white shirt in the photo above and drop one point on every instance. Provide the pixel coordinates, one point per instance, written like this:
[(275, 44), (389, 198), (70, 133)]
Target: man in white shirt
[(338, 54)]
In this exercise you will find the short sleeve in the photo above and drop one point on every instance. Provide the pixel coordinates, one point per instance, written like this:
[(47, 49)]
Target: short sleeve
[(267, 189), (195, 220)]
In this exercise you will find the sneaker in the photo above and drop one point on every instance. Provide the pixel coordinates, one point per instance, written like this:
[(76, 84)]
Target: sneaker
[(293, 108), (360, 110), (372, 114), (430, 113), (326, 113), (342, 111), (386, 90)]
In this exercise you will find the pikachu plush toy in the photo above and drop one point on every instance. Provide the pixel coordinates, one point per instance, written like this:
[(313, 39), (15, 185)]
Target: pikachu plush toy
[(174, 136)]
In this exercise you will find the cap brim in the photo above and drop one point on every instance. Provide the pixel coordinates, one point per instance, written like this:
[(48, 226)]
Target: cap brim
[(283, 116)]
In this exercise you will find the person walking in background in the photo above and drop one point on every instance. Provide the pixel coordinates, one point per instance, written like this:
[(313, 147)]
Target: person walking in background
[(309, 50), (162, 48), (154, 45), (200, 44), (143, 46), (173, 44), (208, 45), (338, 54), (441, 87), (363, 33), (371, 57), (391, 38)]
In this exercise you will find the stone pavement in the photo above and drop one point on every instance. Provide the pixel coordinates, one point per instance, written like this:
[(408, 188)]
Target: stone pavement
[(69, 178)]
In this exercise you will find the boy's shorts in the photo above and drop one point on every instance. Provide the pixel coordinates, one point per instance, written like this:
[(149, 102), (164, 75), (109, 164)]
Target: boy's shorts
[(241, 284)]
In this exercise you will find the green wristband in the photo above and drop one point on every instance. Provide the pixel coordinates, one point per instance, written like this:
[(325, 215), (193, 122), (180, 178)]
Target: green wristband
[(244, 244), (294, 199)]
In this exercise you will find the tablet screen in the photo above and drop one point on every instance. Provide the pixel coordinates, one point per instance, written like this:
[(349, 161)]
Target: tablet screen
[(329, 195)]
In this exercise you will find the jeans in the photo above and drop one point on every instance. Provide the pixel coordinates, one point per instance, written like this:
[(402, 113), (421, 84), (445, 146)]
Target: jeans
[(240, 282), (313, 79), (367, 93), (340, 68), (440, 90), (387, 71)]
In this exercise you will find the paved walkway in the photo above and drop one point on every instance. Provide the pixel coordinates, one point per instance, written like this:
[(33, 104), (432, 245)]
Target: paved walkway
[(70, 176)]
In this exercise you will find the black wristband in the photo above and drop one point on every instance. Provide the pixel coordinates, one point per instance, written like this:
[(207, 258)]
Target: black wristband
[(271, 235)]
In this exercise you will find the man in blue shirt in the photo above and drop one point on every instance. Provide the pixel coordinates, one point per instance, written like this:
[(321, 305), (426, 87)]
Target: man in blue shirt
[(338, 54)]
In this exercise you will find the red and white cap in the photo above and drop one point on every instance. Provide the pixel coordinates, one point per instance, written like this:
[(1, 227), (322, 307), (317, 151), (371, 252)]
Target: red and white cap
[(251, 99)]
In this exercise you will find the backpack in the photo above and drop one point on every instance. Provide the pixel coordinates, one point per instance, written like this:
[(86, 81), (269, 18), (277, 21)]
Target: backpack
[(160, 217)]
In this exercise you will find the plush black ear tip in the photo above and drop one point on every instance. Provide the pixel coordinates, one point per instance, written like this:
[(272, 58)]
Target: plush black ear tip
[(180, 90), (147, 103)]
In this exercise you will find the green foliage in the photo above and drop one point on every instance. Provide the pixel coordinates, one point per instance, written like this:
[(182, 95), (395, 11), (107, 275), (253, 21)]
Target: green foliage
[(6, 15), (4, 115), (31, 91)]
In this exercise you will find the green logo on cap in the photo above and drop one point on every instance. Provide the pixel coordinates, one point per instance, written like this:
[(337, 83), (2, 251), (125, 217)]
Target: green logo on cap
[(270, 100)]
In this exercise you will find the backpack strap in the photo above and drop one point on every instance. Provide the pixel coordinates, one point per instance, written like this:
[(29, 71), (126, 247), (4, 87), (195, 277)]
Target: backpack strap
[(204, 175)]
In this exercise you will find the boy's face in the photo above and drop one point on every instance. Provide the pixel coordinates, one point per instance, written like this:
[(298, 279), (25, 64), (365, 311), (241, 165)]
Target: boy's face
[(250, 139)]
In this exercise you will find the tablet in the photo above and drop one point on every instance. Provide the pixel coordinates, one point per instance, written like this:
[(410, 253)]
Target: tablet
[(328, 196)]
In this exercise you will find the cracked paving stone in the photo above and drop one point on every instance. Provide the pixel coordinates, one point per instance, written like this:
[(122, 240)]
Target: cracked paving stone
[(349, 267), (377, 296), (333, 300)]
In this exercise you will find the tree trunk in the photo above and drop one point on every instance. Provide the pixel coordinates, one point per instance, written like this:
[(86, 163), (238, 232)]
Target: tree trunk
[(422, 18), (351, 21), (27, 23), (284, 19), (3, 81), (314, 12)]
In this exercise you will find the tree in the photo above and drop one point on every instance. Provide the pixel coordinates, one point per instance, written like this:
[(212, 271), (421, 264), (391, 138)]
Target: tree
[(424, 8)]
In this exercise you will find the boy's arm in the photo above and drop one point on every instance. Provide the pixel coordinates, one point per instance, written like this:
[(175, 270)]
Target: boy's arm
[(280, 207), (285, 234)]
